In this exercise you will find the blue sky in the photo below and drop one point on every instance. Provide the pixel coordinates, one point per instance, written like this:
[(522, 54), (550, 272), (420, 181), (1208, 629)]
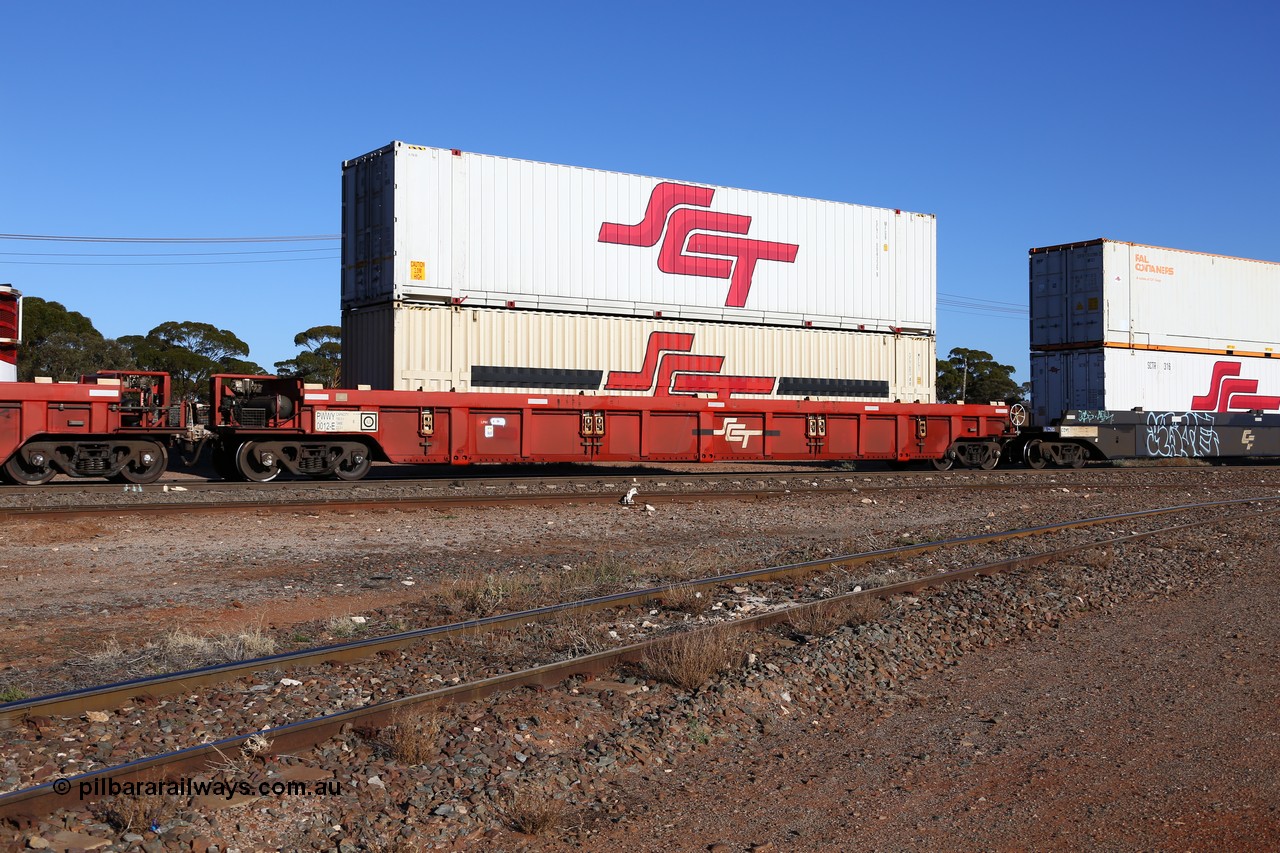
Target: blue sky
[(1017, 124)]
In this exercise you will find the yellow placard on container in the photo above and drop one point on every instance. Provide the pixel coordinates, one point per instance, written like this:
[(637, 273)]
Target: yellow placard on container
[(418, 270)]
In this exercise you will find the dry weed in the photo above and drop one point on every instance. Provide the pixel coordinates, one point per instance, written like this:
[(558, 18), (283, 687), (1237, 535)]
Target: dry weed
[(254, 746), (686, 599), (140, 813), (181, 649), (413, 735), (533, 810), (485, 595), (824, 618), (690, 660), (575, 633), (595, 577), (866, 609)]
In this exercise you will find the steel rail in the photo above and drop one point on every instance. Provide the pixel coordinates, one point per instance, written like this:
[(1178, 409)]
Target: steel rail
[(413, 502), (49, 796), (74, 702)]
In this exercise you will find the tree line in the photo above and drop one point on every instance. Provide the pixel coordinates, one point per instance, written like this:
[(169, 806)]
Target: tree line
[(64, 345)]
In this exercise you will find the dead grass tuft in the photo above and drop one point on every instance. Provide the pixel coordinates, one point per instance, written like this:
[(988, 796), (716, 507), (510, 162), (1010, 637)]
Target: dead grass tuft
[(241, 761), (686, 599), (575, 633), (863, 610), (594, 577), (533, 810), (826, 617), (690, 660), (818, 620), (181, 649), (485, 595), (413, 736), (137, 813)]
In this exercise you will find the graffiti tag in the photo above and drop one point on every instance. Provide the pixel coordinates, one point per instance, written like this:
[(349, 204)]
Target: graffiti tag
[(1181, 434)]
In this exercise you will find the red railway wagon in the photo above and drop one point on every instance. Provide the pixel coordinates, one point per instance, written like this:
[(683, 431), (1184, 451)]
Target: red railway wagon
[(113, 424), (264, 425)]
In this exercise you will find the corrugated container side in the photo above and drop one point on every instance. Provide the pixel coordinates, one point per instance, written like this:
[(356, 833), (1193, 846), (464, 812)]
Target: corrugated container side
[(1117, 379), (1129, 294), (1192, 300), (431, 225), (440, 348)]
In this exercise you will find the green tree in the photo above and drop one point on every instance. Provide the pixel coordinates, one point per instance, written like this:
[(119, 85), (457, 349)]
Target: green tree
[(321, 358), (973, 375), (190, 353), (66, 356), (40, 319), (64, 344)]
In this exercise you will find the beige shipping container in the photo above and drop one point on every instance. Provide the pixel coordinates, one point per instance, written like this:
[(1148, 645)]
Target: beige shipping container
[(407, 346)]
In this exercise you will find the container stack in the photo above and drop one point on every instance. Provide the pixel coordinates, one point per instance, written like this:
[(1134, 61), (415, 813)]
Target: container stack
[(1122, 326), (469, 272)]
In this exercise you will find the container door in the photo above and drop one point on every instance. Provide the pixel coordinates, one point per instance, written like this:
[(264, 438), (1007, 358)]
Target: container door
[(1048, 292), (1085, 303)]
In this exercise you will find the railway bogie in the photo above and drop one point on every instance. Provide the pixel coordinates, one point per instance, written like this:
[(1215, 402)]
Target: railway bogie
[(115, 425)]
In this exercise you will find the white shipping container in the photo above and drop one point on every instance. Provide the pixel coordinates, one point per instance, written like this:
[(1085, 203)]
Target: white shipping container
[(1121, 379), (409, 346), (1109, 292), (435, 225)]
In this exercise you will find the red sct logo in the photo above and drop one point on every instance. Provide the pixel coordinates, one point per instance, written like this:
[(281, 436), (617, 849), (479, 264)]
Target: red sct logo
[(1229, 393), (678, 216)]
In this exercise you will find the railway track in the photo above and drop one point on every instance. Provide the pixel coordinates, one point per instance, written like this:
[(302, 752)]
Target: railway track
[(76, 500), (294, 735)]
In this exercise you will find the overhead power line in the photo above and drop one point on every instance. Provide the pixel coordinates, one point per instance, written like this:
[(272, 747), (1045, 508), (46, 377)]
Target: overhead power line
[(961, 296), (66, 239), (163, 263), (973, 305), (159, 254)]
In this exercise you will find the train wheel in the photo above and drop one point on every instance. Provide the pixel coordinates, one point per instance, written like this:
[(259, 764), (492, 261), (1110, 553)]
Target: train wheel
[(26, 473), (990, 457), (1078, 460), (154, 461), (1033, 455), (260, 468), (353, 470), (944, 464)]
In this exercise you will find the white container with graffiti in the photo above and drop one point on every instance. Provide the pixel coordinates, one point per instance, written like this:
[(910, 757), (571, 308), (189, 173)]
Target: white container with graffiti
[(1106, 292), (441, 226), (1123, 379), (412, 346)]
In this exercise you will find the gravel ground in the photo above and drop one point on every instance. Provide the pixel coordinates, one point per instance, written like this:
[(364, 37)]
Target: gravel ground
[(1005, 713)]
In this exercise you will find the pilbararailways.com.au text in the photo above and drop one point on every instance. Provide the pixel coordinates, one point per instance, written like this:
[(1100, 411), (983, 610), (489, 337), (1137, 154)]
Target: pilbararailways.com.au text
[(107, 787)]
